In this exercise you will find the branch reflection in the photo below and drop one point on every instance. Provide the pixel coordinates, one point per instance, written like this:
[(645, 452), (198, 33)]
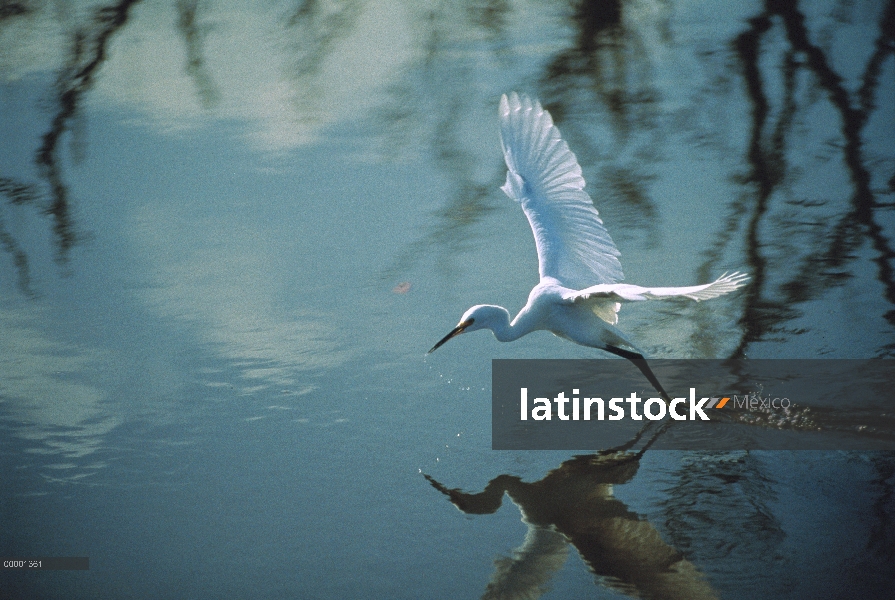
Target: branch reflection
[(824, 264)]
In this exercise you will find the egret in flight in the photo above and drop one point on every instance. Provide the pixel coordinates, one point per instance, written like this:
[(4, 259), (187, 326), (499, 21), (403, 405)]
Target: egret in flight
[(579, 294)]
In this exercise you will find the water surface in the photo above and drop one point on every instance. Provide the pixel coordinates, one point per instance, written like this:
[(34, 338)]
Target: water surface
[(231, 230)]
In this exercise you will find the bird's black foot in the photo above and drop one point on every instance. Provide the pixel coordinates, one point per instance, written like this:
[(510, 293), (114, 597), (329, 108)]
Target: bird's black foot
[(640, 362)]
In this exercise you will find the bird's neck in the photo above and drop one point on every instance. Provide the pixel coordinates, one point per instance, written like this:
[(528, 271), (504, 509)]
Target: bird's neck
[(505, 331)]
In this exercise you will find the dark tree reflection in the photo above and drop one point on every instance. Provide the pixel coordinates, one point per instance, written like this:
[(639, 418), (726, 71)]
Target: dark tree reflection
[(882, 533), (822, 266), (193, 36), (432, 109), (87, 54), (18, 194), (606, 70), (318, 28)]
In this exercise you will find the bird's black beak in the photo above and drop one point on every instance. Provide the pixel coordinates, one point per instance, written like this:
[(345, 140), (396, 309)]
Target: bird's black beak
[(454, 332)]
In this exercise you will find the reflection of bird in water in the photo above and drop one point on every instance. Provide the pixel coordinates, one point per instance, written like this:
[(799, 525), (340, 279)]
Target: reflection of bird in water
[(578, 296), (574, 504)]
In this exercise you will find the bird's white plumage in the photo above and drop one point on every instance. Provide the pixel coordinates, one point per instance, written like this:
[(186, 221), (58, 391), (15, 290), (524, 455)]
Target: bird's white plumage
[(579, 294), (624, 292), (543, 175), (605, 299)]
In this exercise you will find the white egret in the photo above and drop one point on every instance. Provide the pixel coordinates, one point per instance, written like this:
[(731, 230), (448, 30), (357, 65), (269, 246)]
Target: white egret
[(578, 296)]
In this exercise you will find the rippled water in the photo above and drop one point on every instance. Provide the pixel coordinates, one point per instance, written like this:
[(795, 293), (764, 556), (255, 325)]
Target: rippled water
[(231, 230)]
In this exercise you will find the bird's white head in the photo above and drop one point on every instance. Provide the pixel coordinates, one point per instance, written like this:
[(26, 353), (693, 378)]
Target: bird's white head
[(481, 316)]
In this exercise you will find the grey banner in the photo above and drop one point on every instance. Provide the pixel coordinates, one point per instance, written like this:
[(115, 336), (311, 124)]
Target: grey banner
[(716, 405)]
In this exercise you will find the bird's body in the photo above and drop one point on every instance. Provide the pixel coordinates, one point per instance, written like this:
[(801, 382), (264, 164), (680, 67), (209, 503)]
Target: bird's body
[(549, 309), (579, 294)]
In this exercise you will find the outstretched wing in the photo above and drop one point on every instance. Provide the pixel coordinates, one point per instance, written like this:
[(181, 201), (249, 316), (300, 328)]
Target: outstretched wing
[(544, 177), (623, 292)]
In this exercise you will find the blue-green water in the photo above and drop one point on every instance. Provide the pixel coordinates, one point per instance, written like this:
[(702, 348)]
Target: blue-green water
[(230, 231)]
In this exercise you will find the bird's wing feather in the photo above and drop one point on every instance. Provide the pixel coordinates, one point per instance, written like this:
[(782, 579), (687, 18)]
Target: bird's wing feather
[(622, 292), (544, 177)]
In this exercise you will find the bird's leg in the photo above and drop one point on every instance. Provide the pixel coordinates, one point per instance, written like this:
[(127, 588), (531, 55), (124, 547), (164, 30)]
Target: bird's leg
[(630, 443), (627, 445), (662, 429), (640, 362)]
